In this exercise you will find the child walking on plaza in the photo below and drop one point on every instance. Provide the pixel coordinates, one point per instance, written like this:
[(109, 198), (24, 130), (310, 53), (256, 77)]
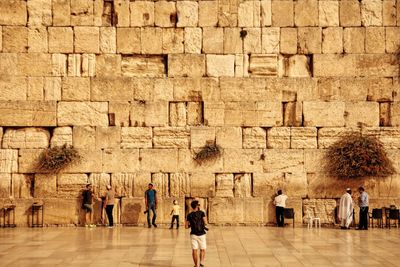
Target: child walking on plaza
[(175, 214)]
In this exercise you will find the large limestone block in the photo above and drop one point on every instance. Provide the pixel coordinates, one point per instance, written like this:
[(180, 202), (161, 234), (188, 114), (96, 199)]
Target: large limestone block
[(371, 13), (84, 137), (82, 113), (91, 161), (13, 12), (190, 65), (186, 162), (112, 89), (375, 40), (354, 40), (61, 136), (249, 14), (82, 13), (350, 13), (244, 89), (226, 210), (45, 186), (128, 40), (15, 39), (320, 208), (240, 113), (120, 160), (227, 13), (179, 185), (328, 13), (122, 13), (108, 40), (187, 13), (389, 13), (142, 13), (61, 12), (208, 13), (61, 40), (202, 184), (196, 89), (293, 114), (86, 40), (161, 183), (278, 137), (149, 113), (27, 160), (288, 40), (120, 109), (392, 39), (64, 212), (270, 40), (263, 65), (5, 185), (41, 61), (233, 43), (151, 40), (309, 40), (136, 137), (266, 184), (282, 13), (243, 160), (253, 210), (71, 185), (298, 66), (26, 138), (165, 14), (306, 13), (332, 40), (323, 114), (75, 89), (143, 66), (158, 160), (220, 65), (200, 136), (362, 114), (269, 114), (132, 211), (390, 137), (328, 135), (172, 40), (254, 137), (122, 183), (144, 89), (177, 114), (22, 185), (108, 137), (171, 137), (303, 137), (8, 64), (28, 113), (59, 65), (224, 185), (283, 160), (99, 182), (252, 41), (395, 114), (229, 137), (243, 185), (140, 183), (193, 39)]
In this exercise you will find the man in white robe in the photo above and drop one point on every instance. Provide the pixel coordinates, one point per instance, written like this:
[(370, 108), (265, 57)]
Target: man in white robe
[(346, 210)]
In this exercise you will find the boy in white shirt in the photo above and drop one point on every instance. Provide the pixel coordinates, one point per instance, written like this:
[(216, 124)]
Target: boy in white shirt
[(175, 214), (280, 203)]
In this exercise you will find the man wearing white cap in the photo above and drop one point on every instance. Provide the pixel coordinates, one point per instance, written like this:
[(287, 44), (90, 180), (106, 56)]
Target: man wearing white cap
[(346, 210)]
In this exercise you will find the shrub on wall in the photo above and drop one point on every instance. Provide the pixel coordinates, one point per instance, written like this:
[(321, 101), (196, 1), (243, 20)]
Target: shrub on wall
[(356, 156), (54, 159), (207, 153)]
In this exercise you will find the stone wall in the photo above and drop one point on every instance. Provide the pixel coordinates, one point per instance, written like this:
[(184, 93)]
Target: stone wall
[(139, 86)]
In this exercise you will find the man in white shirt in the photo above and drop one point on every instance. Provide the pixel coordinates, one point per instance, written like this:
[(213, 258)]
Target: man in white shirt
[(346, 207), (280, 203)]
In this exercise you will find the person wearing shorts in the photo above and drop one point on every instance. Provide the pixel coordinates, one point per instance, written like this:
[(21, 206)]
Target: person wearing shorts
[(87, 205), (197, 222)]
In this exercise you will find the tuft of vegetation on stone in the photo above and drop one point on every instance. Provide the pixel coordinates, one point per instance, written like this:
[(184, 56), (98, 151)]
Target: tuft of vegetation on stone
[(357, 156), (207, 153), (54, 159)]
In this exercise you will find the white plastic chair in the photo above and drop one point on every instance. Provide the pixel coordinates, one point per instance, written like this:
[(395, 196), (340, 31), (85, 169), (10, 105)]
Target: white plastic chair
[(311, 219)]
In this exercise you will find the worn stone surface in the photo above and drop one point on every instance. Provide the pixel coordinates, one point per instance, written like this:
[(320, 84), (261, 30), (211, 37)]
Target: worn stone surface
[(81, 113), (26, 138)]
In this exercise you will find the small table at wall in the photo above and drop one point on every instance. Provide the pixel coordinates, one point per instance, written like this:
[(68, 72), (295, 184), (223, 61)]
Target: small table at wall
[(36, 209), (7, 210)]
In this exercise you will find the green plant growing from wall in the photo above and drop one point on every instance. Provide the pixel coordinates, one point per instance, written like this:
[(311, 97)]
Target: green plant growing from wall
[(357, 156), (54, 159), (209, 152)]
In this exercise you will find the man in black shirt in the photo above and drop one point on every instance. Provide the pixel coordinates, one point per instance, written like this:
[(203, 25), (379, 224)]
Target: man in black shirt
[(87, 205), (197, 222)]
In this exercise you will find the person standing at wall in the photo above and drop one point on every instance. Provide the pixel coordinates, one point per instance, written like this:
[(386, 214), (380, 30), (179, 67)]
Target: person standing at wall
[(150, 196), (175, 214), (346, 210), (363, 202), (280, 203), (109, 205), (87, 205), (197, 222)]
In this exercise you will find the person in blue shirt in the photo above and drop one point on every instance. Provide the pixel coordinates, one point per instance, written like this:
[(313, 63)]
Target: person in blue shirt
[(150, 196)]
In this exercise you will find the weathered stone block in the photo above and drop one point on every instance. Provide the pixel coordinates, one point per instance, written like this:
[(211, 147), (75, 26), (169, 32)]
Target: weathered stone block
[(362, 113), (214, 113), (136, 137), (99, 182), (43, 64), (298, 66), (322, 114), (161, 183), (142, 66), (61, 40), (149, 113), (186, 65), (172, 41), (232, 41), (266, 13), (283, 160), (252, 41), (213, 40), (186, 162), (396, 114), (82, 113), (254, 137), (371, 13), (5, 185), (120, 160), (193, 39), (114, 89), (132, 211), (243, 114), (278, 137), (354, 39), (13, 88), (226, 210), (327, 136), (159, 160), (13, 12), (224, 185), (179, 184), (61, 12), (188, 13), (328, 13), (392, 39), (27, 160), (263, 65), (122, 184), (151, 40), (350, 13), (171, 137), (202, 184), (71, 185), (177, 114), (86, 39), (142, 13), (309, 40), (84, 137), (22, 185), (128, 40), (24, 113), (91, 161), (15, 39), (108, 137), (243, 185), (242, 160), (229, 137), (195, 113), (249, 14), (306, 13), (208, 13), (270, 40), (108, 40), (389, 13), (37, 40), (45, 186), (332, 40), (75, 89), (320, 208), (82, 12), (200, 136), (282, 13), (220, 65), (374, 40), (26, 138), (303, 137), (59, 64), (269, 114), (288, 42), (165, 14)]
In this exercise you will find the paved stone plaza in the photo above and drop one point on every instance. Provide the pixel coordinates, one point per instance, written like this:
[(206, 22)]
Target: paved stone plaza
[(227, 246)]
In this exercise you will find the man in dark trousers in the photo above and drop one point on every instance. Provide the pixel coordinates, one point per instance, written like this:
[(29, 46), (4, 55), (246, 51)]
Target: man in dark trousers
[(280, 203), (87, 205), (109, 205), (363, 202), (197, 222), (150, 196)]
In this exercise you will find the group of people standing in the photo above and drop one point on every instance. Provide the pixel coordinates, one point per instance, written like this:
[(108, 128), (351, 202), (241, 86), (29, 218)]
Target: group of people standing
[(346, 209)]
